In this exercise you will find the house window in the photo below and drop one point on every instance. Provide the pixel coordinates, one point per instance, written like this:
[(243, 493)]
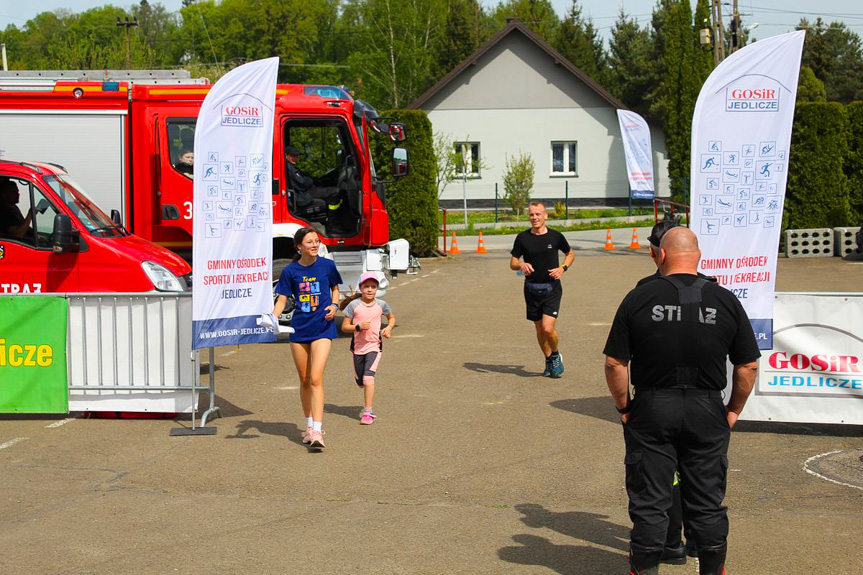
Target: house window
[(563, 159), (467, 154)]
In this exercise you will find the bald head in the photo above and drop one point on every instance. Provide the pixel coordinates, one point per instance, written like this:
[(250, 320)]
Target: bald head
[(680, 253)]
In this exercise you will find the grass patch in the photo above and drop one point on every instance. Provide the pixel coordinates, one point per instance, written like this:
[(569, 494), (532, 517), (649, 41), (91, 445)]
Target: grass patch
[(456, 216)]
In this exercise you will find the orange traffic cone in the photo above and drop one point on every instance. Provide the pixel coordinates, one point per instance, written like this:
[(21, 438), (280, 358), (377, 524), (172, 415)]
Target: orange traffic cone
[(609, 245), (634, 245), (480, 248), (453, 248)]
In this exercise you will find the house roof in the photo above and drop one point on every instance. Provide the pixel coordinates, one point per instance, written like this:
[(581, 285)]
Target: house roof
[(514, 25)]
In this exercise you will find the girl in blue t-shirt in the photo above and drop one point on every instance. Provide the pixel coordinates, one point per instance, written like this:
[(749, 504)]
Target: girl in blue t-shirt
[(314, 283)]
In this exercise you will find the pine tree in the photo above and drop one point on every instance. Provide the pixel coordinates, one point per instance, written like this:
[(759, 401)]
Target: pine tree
[(629, 75), (680, 86), (466, 30), (578, 42), (704, 61)]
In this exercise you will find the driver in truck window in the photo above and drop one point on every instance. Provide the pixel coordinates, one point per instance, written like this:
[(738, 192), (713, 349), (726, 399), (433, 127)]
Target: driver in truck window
[(12, 221), (185, 163)]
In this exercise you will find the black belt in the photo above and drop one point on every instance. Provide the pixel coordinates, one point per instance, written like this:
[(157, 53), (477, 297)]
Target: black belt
[(683, 389)]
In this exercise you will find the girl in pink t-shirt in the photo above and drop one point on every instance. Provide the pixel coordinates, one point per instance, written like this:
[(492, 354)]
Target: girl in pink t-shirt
[(363, 319)]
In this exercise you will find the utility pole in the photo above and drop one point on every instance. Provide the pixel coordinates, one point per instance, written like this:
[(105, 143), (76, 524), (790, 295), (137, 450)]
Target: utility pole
[(713, 34), (128, 25), (719, 36), (735, 29)]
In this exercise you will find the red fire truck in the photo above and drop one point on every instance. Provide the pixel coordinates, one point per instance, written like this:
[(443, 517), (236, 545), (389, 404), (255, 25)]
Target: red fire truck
[(127, 143)]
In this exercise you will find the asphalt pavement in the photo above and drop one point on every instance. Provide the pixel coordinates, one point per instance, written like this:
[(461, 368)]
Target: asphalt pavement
[(476, 463)]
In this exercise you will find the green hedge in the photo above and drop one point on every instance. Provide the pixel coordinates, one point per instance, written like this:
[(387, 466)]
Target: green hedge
[(817, 195), (854, 161), (412, 200)]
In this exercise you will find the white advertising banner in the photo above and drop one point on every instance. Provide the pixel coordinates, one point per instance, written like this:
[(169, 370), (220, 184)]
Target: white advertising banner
[(232, 248), (635, 134), (814, 374), (741, 132)]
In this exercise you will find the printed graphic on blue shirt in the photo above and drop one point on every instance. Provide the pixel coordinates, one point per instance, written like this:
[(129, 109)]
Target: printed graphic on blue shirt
[(310, 294)]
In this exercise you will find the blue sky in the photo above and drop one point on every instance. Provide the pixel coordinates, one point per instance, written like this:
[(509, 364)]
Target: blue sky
[(773, 16)]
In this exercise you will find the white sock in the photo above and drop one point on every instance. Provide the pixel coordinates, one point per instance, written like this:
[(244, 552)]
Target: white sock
[(317, 425), (309, 422)]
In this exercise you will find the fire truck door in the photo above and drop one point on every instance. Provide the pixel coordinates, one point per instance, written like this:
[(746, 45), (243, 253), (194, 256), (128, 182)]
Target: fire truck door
[(174, 164), (27, 263)]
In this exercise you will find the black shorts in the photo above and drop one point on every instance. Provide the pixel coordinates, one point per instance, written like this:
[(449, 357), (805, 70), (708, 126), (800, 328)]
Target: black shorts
[(542, 299)]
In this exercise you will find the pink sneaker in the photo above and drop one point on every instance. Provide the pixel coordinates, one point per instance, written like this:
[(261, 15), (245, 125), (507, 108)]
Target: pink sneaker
[(306, 437), (367, 417), (316, 441)]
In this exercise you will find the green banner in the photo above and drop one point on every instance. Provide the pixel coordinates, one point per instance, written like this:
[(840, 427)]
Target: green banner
[(33, 355)]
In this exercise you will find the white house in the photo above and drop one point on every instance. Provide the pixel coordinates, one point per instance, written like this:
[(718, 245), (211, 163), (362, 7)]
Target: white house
[(517, 94)]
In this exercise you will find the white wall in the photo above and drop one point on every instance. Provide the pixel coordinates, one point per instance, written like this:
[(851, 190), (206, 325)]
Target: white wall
[(506, 132)]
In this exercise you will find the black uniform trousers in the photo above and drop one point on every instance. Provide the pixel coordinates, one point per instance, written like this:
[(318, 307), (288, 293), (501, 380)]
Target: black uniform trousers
[(684, 429)]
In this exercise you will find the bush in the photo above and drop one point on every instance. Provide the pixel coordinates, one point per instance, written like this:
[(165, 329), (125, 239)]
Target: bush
[(518, 181), (854, 161), (411, 200), (817, 195), (559, 211)]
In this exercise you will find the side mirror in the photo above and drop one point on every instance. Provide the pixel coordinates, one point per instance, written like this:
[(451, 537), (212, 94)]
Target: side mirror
[(115, 217), (400, 162), (65, 237), (398, 132)]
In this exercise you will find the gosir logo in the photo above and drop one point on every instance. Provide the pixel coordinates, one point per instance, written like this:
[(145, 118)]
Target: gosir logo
[(814, 360), (242, 115), (761, 98), (844, 364)]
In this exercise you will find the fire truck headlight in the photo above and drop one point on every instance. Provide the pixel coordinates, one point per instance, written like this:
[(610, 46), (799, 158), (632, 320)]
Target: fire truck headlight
[(162, 278)]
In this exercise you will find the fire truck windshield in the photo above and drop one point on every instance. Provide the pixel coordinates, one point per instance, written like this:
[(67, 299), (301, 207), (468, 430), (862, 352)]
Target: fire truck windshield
[(89, 214)]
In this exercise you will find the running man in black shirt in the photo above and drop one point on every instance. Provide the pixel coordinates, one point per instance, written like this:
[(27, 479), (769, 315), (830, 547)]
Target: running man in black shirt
[(673, 335), (542, 290)]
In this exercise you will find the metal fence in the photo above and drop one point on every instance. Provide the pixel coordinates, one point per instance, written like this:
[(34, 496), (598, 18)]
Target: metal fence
[(132, 352)]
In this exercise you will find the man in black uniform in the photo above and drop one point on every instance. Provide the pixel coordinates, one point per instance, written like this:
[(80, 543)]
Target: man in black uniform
[(653, 241), (678, 331), (542, 290), (300, 181), (675, 553)]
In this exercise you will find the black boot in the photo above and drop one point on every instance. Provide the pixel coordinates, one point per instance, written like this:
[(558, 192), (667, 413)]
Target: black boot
[(644, 562), (674, 555), (711, 560), (691, 548)]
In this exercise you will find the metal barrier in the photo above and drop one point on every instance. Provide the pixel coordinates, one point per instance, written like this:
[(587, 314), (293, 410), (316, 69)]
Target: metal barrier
[(132, 352), (668, 209)]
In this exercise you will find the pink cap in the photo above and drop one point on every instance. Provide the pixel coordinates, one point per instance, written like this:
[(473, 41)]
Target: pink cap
[(369, 276)]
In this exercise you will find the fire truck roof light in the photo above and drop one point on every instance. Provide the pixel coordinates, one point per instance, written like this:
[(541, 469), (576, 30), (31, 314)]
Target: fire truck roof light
[(110, 86)]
